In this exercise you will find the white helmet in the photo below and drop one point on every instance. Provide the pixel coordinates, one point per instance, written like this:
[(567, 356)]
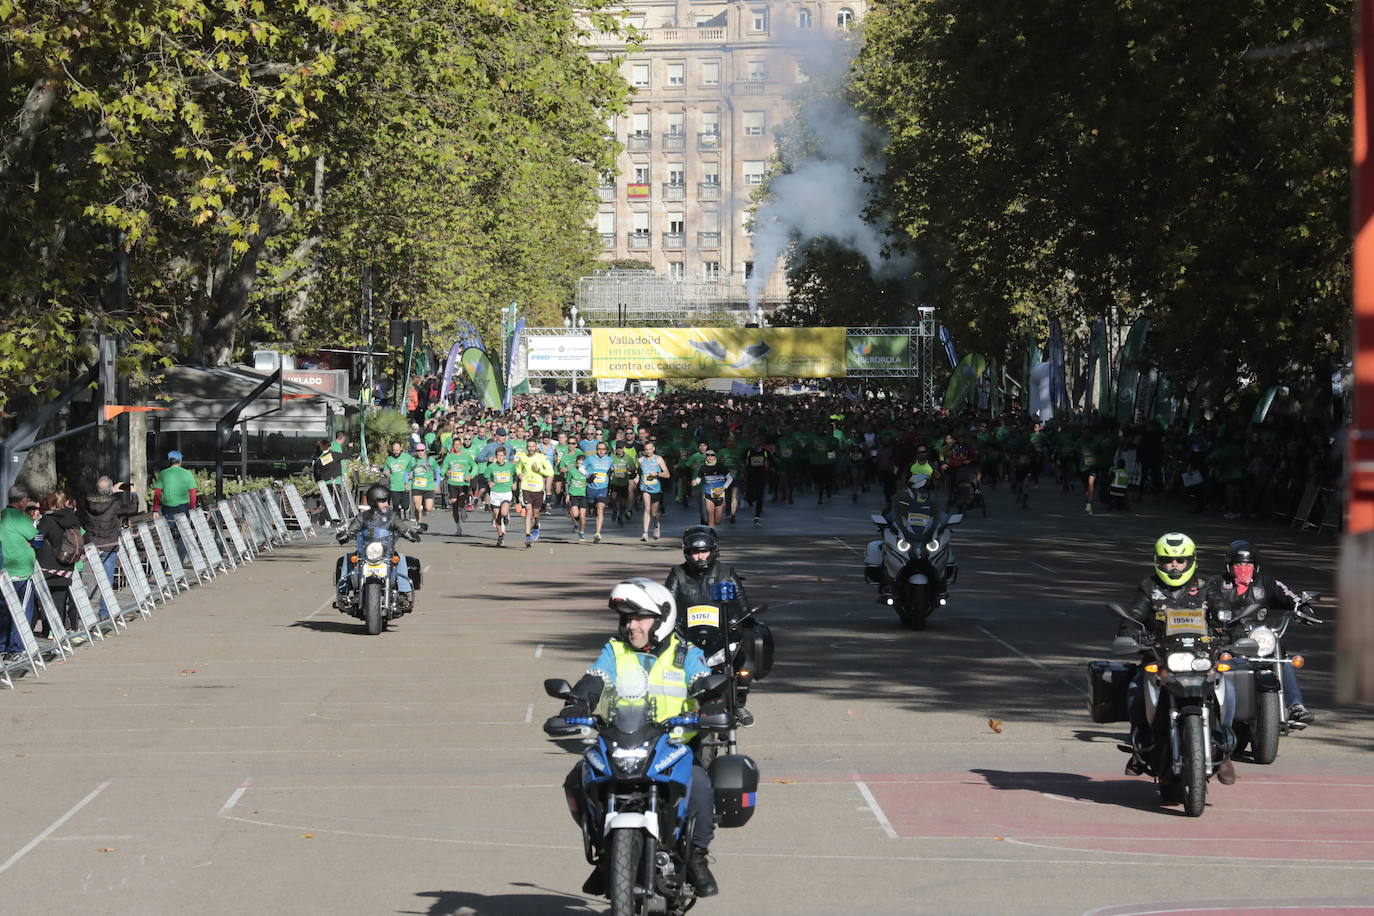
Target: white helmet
[(641, 595), (918, 482)]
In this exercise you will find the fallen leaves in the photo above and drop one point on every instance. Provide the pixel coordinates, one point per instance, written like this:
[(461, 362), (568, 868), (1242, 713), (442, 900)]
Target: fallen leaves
[(188, 671), (307, 836), (783, 782), (995, 725), (107, 849)]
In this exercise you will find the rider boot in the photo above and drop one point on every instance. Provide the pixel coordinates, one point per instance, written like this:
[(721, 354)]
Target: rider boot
[(595, 885), (699, 873)]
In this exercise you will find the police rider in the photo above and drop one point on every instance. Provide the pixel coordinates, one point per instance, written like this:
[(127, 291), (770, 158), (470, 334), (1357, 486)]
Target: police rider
[(379, 514), (1242, 585), (701, 579), (1175, 584), (648, 637)]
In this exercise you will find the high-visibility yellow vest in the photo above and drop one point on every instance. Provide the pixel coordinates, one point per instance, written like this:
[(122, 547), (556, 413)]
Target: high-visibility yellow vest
[(667, 681)]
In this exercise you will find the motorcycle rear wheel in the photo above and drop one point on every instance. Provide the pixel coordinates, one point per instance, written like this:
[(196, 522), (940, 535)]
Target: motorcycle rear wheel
[(1194, 766), (626, 851), (1264, 735), (372, 608)]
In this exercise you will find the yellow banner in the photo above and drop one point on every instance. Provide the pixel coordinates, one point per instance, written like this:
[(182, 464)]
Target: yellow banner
[(718, 352)]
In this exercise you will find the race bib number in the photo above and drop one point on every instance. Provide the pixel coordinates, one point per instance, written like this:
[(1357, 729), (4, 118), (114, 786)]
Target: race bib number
[(619, 473), (703, 615), (830, 455), (1184, 621), (787, 453), (457, 477), (598, 478), (917, 519), (756, 461), (501, 477)]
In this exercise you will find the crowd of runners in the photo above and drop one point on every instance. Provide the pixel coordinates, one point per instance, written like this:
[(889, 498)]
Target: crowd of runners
[(625, 461)]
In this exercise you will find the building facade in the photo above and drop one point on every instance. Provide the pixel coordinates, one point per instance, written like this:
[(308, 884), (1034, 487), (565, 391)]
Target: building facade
[(712, 83)]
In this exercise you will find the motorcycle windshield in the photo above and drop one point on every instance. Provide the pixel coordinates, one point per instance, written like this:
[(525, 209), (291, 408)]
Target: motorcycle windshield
[(625, 703), (379, 534)]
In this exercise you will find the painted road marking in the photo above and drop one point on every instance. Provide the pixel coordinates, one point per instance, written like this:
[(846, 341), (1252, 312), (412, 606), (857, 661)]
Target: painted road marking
[(235, 796), (1036, 662), (53, 827), (877, 809)]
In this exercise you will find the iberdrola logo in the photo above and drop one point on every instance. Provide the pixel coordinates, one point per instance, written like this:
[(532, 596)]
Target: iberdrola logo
[(862, 348)]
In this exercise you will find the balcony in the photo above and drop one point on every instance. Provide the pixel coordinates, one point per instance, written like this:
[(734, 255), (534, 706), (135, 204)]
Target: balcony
[(639, 241), (639, 143), (606, 192), (708, 140), (673, 143), (750, 87), (674, 241), (608, 240), (674, 190), (658, 36), (708, 240), (708, 190), (638, 191)]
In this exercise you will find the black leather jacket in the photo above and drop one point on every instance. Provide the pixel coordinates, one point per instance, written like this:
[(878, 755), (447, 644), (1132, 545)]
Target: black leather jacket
[(1265, 591), (690, 588), (373, 518), (1153, 596)]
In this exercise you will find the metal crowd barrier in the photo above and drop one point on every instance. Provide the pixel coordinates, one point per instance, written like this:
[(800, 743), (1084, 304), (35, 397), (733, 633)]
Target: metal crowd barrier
[(150, 562)]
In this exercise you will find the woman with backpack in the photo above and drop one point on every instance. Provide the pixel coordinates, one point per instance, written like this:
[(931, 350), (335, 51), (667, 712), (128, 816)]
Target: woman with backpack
[(57, 551)]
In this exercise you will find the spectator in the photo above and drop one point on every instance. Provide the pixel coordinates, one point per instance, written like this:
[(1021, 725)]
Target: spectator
[(174, 491), (17, 534), (58, 551), (103, 516)]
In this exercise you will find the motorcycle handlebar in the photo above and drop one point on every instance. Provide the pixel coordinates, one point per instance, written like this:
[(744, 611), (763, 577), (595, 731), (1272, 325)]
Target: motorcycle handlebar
[(683, 721)]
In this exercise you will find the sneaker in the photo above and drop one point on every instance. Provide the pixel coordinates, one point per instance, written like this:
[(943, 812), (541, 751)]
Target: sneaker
[(744, 717), (1300, 713), (1226, 773), (658, 529), (581, 536), (534, 535), (644, 538), (1088, 508), (758, 522), (500, 540), (596, 539)]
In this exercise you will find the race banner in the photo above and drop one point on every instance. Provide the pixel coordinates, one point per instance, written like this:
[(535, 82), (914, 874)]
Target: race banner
[(947, 341), (1059, 389), (718, 352), (610, 385), (963, 383), (1099, 369), (1129, 375), (571, 352), (483, 375), (868, 351), (514, 376), (467, 337)]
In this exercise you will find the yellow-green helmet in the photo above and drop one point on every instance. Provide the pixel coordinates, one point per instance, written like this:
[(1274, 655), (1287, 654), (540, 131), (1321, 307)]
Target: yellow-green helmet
[(1170, 546)]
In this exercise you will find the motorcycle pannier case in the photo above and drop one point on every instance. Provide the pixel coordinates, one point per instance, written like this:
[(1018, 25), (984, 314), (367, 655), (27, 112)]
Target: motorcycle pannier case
[(1107, 685), (760, 655), (413, 570), (735, 779)]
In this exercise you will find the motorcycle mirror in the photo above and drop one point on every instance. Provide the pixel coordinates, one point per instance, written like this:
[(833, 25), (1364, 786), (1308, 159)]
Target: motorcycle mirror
[(1125, 645), (1246, 646), (711, 683), (955, 519), (1119, 611), (759, 611), (878, 520), (558, 688)]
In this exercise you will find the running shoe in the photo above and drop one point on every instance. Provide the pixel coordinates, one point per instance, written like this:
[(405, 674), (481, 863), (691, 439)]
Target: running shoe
[(758, 522), (581, 536), (534, 535), (528, 542), (596, 539), (658, 529), (644, 538), (500, 540)]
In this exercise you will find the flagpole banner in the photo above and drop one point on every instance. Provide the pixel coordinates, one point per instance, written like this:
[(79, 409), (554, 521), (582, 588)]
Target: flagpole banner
[(1164, 403), (478, 366), (865, 351), (1265, 402), (1129, 376), (564, 352), (1059, 389), (963, 383), (1099, 373), (454, 353), (1040, 402), (512, 345), (718, 352), (947, 339)]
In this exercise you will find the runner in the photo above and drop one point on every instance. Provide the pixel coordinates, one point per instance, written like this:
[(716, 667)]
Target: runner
[(397, 468), (758, 468), (598, 468), (653, 470), (534, 471), (622, 471), (457, 471), (712, 482), (424, 476), (500, 476), (576, 479)]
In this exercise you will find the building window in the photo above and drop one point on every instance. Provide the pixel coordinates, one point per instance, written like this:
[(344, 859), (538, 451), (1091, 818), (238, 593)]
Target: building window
[(710, 73), (677, 173), (710, 173), (758, 20), (675, 270), (710, 122), (804, 19), (676, 223), (676, 123), (758, 71), (639, 76), (753, 123), (605, 223), (710, 270), (641, 174), (639, 124), (641, 221), (844, 18), (748, 269), (677, 74), (753, 171)]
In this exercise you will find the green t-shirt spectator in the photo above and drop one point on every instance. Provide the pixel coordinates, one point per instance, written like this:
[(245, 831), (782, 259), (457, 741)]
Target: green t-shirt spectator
[(17, 532), (337, 448), (397, 468), (176, 484)]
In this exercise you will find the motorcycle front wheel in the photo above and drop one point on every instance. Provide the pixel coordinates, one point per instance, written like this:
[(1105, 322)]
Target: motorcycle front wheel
[(1194, 767), (372, 608), (626, 850), (1264, 733)]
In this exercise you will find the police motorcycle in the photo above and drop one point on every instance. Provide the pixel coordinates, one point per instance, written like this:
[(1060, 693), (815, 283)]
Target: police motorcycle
[(630, 793), (913, 563), (1257, 678), (1185, 691), (742, 653), (367, 578)]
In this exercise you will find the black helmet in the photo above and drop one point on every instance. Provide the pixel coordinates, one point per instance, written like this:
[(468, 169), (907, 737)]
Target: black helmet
[(700, 537), (1241, 552), (377, 493)]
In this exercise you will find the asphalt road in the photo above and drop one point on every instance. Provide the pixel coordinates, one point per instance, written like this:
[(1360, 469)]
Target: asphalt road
[(249, 750)]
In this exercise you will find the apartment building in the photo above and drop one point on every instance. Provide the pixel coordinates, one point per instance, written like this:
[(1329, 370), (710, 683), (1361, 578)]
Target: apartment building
[(711, 81)]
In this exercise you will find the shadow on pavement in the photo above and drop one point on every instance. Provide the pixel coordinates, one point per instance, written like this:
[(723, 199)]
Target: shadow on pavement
[(331, 626), (1139, 793), (464, 903)]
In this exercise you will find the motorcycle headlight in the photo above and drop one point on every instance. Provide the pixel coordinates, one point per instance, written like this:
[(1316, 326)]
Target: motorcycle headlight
[(933, 545), (1266, 640), (718, 658), (1187, 662), (630, 760), (374, 551), (903, 545)]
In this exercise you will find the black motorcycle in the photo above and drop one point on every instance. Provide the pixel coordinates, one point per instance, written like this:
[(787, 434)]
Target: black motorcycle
[(1184, 692), (913, 562), (1261, 706), (738, 647), (367, 578)]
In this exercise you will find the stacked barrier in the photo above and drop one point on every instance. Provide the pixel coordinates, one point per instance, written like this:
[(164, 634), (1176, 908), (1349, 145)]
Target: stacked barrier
[(151, 564)]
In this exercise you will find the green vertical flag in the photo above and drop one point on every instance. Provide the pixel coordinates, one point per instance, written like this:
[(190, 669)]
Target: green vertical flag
[(963, 383), (1265, 402), (1129, 376), (484, 377)]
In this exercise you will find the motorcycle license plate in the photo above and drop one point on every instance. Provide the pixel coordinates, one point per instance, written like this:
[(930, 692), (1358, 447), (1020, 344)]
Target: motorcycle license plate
[(703, 615), (1182, 622), (374, 569)]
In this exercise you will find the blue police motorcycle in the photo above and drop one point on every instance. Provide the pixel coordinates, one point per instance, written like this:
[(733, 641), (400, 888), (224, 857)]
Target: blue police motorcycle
[(629, 795)]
